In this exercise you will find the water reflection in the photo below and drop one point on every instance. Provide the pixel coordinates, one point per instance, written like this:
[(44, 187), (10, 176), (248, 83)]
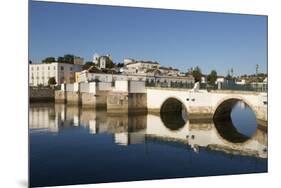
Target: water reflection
[(136, 129)]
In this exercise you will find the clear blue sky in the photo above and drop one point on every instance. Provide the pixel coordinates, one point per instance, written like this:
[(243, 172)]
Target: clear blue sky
[(181, 39)]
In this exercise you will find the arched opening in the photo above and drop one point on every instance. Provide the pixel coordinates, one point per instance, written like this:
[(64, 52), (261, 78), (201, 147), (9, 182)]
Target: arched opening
[(235, 120), (173, 114)]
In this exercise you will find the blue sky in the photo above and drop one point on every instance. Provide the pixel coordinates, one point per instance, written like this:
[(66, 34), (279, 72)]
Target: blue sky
[(181, 39)]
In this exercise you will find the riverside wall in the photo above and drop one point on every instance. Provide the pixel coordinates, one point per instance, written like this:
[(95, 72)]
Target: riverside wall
[(41, 94)]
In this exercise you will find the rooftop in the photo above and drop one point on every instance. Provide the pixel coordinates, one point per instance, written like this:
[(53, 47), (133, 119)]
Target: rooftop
[(147, 62)]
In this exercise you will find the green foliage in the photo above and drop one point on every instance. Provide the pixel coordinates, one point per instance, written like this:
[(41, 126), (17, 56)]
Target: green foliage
[(109, 63), (120, 65), (49, 60), (197, 74), (60, 59), (68, 58), (212, 77), (52, 81)]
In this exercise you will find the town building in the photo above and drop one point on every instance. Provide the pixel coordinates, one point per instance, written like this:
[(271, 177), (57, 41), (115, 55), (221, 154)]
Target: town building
[(139, 67), (40, 73), (155, 78), (102, 61), (220, 79), (204, 79), (240, 81), (128, 60), (148, 71), (260, 86), (78, 60)]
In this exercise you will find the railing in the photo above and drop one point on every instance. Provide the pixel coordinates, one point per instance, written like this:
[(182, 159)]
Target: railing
[(171, 85), (260, 87)]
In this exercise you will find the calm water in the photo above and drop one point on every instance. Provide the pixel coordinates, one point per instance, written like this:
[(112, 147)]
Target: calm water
[(70, 145)]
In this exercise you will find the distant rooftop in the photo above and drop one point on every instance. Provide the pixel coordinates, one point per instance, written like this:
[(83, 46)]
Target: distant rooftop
[(148, 62)]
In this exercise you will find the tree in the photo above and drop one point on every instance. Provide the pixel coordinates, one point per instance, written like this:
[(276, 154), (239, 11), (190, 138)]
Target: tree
[(52, 81), (212, 77), (120, 65), (60, 59), (49, 60), (109, 63), (197, 74), (68, 58), (228, 76)]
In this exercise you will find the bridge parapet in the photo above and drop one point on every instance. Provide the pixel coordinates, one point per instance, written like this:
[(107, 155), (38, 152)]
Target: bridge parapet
[(206, 103)]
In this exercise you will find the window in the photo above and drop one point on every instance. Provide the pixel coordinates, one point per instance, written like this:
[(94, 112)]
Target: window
[(54, 68), (48, 67), (37, 68), (31, 68), (70, 68), (61, 68)]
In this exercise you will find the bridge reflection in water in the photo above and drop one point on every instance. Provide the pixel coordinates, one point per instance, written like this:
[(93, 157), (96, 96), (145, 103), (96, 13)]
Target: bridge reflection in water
[(192, 135), (134, 128)]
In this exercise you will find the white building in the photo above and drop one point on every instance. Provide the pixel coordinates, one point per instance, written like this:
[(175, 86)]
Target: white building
[(96, 58), (240, 82), (203, 79), (40, 73), (169, 71), (101, 60), (78, 61), (128, 60), (137, 67), (220, 79), (151, 79)]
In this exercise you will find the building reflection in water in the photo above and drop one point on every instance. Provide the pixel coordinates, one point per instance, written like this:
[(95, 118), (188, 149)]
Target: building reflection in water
[(136, 128)]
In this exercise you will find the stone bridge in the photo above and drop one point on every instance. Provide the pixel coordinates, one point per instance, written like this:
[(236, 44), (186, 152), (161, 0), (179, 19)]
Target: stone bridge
[(217, 104), (133, 96)]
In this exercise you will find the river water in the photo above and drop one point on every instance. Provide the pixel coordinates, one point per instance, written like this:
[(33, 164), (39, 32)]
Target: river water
[(71, 145)]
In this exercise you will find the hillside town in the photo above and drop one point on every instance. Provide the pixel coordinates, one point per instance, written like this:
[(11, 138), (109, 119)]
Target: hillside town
[(70, 69)]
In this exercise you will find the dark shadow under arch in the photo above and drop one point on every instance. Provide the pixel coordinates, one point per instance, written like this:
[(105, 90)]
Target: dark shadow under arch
[(224, 124), (173, 114)]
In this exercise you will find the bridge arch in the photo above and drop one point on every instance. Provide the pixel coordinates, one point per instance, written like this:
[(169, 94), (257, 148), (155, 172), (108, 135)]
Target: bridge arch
[(173, 113), (227, 103), (223, 121)]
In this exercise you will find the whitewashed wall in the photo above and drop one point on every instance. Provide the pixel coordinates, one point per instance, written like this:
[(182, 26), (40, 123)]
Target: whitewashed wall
[(121, 86), (137, 87)]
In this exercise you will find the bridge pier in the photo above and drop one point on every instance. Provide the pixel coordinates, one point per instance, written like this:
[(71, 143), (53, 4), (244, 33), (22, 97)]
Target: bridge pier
[(123, 102), (60, 96)]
